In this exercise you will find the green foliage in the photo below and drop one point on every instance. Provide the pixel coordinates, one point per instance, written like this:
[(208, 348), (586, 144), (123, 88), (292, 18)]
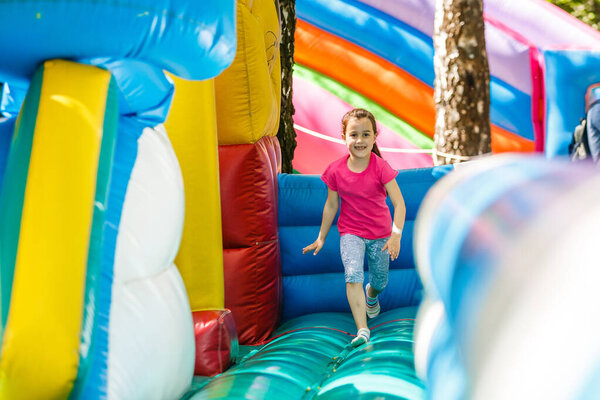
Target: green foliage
[(587, 11)]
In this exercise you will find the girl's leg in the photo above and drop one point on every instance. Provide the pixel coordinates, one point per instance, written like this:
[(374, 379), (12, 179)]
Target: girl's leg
[(356, 299), (379, 263), (352, 249), (372, 305), (371, 292)]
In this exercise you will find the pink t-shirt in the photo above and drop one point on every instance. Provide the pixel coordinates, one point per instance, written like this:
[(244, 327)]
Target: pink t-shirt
[(363, 211)]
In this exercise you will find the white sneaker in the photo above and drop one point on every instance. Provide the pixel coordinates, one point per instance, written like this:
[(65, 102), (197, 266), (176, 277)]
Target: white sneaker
[(362, 337)]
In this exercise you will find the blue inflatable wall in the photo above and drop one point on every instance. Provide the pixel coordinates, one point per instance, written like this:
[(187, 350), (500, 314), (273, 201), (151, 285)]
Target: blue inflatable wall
[(568, 75)]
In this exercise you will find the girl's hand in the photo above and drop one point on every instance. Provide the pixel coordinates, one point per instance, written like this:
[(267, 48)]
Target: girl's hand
[(393, 246), (317, 245)]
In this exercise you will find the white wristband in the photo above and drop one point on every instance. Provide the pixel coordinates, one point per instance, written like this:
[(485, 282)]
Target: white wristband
[(395, 229)]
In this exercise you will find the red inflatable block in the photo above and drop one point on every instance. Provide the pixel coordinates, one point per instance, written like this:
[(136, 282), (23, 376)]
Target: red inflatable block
[(252, 265), (248, 179), (216, 341), (253, 290)]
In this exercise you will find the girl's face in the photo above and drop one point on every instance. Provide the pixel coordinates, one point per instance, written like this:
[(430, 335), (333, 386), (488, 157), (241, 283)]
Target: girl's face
[(359, 137)]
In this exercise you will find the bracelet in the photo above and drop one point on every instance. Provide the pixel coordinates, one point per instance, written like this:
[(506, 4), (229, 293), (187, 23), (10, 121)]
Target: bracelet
[(395, 229)]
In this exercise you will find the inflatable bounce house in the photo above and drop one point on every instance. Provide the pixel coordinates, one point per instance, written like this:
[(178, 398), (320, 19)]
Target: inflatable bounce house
[(150, 248)]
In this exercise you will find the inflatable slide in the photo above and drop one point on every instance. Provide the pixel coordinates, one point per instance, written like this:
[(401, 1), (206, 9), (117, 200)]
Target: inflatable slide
[(379, 55)]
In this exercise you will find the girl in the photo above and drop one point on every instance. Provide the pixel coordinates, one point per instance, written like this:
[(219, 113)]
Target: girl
[(362, 179)]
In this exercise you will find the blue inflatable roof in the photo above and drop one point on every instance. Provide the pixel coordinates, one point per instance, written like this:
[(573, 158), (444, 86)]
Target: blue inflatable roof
[(192, 39)]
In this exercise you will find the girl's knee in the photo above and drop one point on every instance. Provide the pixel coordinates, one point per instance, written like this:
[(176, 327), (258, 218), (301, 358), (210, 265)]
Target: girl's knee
[(378, 275), (378, 283), (354, 276)]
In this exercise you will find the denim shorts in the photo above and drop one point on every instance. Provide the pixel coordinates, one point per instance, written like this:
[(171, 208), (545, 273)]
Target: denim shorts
[(353, 257)]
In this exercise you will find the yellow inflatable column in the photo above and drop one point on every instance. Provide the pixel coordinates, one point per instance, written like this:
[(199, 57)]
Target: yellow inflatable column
[(191, 126), (51, 187), (249, 91)]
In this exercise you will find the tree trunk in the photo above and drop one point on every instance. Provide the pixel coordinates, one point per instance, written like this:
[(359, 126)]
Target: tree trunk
[(462, 81), (286, 133)]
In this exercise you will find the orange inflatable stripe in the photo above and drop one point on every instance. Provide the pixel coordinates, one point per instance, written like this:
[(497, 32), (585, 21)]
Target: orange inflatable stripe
[(385, 83), (372, 76), (506, 141)]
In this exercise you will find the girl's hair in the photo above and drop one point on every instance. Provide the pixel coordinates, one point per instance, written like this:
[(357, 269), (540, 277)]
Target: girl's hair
[(359, 113)]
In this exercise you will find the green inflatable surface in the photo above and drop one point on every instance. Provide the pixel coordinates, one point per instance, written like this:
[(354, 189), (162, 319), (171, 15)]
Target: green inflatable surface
[(310, 357)]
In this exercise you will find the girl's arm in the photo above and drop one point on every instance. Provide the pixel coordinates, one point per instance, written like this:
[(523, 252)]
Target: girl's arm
[(329, 211), (393, 243)]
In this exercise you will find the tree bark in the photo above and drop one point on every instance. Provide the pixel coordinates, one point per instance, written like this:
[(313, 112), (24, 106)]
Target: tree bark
[(286, 133), (462, 81)]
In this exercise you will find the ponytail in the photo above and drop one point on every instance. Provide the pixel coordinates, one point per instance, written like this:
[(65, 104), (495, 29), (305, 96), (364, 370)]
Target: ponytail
[(376, 150)]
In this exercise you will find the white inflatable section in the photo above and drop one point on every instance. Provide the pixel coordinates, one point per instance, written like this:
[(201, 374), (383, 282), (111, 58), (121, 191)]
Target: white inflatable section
[(428, 211), (152, 342), (538, 334), (151, 334), (430, 316), (153, 212)]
